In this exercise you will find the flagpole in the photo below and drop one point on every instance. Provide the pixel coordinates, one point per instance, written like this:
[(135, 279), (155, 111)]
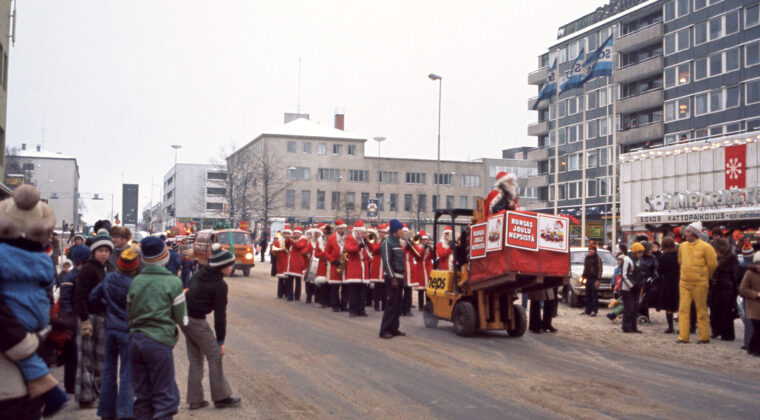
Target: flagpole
[(556, 136), (583, 171), (614, 148)]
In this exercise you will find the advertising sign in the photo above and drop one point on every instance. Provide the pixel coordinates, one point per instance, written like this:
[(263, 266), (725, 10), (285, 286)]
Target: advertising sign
[(478, 240), (553, 233), (494, 232), (736, 166), (522, 231), (129, 203), (372, 209)]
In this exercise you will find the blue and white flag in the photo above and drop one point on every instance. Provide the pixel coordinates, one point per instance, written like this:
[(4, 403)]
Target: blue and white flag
[(550, 87), (599, 63), (573, 76)]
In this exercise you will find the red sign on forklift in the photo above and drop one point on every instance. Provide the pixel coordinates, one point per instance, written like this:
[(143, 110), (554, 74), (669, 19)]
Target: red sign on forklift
[(478, 240), (522, 231)]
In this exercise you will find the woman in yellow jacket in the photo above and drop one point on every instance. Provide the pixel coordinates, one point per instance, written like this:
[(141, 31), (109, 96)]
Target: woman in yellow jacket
[(698, 262)]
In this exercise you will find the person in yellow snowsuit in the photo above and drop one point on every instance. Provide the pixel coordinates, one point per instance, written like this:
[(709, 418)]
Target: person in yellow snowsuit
[(698, 262)]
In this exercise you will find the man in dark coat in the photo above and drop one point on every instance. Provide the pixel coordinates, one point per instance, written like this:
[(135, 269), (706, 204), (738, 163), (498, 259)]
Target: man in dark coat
[(392, 255), (724, 286), (592, 272)]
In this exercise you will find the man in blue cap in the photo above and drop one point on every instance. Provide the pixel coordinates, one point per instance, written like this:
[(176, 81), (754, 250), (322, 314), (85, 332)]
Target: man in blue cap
[(392, 255)]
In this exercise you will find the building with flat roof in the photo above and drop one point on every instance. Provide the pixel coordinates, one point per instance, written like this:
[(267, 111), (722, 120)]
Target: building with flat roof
[(193, 193), (5, 28), (683, 71)]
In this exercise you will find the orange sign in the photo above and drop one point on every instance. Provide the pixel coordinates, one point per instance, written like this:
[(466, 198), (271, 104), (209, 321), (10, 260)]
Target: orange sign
[(244, 225)]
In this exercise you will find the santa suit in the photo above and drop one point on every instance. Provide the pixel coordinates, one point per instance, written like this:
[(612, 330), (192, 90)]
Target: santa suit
[(376, 277), (308, 254), (280, 252), (333, 251), (445, 256), (295, 267), (322, 288), (503, 197), (357, 273), (412, 278)]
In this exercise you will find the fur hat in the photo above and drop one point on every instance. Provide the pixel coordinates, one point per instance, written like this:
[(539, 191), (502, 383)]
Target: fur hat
[(220, 258), (24, 216), (722, 246)]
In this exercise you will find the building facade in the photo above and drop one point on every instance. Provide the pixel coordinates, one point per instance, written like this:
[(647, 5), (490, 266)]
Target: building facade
[(325, 174), (683, 71), (193, 193), (54, 174), (5, 28)]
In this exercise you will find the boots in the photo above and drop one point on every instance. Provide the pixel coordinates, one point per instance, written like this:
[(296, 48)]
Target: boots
[(669, 317)]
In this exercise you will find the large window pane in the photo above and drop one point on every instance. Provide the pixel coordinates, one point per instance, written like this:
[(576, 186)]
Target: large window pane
[(700, 69), (732, 22), (751, 16), (753, 92), (752, 54), (670, 77), (670, 11), (716, 27), (670, 111), (732, 97), (683, 73), (716, 64), (683, 39), (670, 44), (716, 101), (699, 4), (683, 108), (732, 59), (700, 104), (700, 33)]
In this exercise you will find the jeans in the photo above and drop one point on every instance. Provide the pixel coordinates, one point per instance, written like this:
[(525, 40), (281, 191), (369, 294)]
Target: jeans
[(115, 403), (156, 392), (592, 296)]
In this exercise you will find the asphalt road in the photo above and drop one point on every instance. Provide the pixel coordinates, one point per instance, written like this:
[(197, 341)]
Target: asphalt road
[(292, 360)]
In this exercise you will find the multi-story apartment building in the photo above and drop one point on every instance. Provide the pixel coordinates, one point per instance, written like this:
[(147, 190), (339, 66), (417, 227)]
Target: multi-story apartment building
[(5, 28), (683, 70), (326, 174), (193, 193)]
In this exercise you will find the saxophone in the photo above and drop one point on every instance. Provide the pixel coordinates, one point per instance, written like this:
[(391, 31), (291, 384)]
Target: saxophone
[(343, 259)]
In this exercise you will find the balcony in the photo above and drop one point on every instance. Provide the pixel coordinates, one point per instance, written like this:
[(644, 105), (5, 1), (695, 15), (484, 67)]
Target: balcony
[(536, 155), (640, 70), (538, 181), (646, 100), (641, 38), (538, 129), (543, 105), (653, 131), (538, 77)]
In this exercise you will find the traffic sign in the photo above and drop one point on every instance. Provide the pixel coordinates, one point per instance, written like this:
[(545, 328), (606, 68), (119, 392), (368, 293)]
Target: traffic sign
[(244, 225)]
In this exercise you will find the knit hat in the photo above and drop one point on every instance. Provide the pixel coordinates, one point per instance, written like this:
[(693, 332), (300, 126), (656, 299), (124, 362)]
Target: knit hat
[(79, 253), (65, 261), (637, 247), (128, 261), (175, 245), (101, 239), (154, 251), (220, 258), (695, 228), (78, 235), (394, 226), (747, 250), (24, 216)]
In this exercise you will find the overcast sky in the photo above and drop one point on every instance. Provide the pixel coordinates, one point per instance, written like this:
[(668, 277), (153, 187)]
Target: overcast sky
[(115, 83)]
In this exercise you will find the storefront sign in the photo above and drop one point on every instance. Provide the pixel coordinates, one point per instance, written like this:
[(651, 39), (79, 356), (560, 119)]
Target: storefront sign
[(494, 232), (736, 166), (696, 200), (553, 233), (724, 215), (522, 231), (478, 240)]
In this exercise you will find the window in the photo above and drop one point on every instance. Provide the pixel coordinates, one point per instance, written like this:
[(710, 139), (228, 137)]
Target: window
[(415, 178), (291, 147), (470, 180), (214, 206), (699, 4), (572, 106), (320, 200), (732, 97), (422, 202), (216, 175), (450, 201), (328, 174), (290, 199), (731, 58), (296, 174), (463, 201), (677, 75), (716, 101), (335, 200), (572, 134), (731, 23), (388, 177), (393, 202), (562, 136), (562, 56), (352, 149), (603, 127), (443, 179), (591, 129), (435, 201), (751, 16), (592, 43), (591, 188), (358, 175), (752, 54), (716, 27), (407, 202), (321, 149), (563, 163), (350, 200), (700, 104), (591, 158), (337, 149), (677, 110), (572, 162), (677, 41), (700, 69), (306, 148), (752, 92), (380, 201), (305, 199), (216, 191), (562, 109), (562, 192), (602, 157), (602, 97), (591, 100), (700, 33), (572, 190), (716, 64), (572, 51), (365, 201), (670, 11), (683, 108)]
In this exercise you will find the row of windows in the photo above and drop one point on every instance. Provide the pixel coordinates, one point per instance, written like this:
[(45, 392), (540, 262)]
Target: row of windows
[(337, 148), (713, 65), (384, 177), (493, 170), (574, 189), (347, 200), (572, 162), (712, 101), (721, 129)]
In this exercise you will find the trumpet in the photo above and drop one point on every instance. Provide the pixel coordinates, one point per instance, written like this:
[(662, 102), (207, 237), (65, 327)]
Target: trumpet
[(372, 238), (412, 243)]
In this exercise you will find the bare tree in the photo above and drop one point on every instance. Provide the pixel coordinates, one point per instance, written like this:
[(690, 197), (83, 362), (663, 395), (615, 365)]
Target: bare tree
[(269, 185)]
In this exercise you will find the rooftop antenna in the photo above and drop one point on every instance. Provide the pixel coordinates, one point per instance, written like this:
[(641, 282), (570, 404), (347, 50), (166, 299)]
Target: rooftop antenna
[(299, 86)]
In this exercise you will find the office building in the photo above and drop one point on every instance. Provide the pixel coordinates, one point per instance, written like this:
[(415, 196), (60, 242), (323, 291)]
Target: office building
[(5, 28), (193, 193)]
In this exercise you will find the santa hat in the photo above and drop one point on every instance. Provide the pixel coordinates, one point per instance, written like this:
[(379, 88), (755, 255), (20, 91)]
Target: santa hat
[(340, 224), (424, 235), (384, 227), (504, 178), (321, 226), (405, 228), (298, 229), (359, 226), (371, 228), (286, 228), (447, 229)]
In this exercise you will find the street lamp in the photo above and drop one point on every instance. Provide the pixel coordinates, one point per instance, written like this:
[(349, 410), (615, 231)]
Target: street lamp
[(176, 147), (379, 141), (434, 77)]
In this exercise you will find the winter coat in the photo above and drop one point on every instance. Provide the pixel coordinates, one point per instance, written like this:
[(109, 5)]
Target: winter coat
[(376, 265), (411, 260), (279, 250), (66, 297), (208, 292), (728, 275), (16, 344), (392, 255), (110, 296), (295, 260), (319, 253), (90, 275), (357, 260), (25, 278), (333, 251), (749, 288), (445, 256), (668, 282), (697, 261), (592, 266), (156, 304), (632, 278), (174, 262), (649, 268)]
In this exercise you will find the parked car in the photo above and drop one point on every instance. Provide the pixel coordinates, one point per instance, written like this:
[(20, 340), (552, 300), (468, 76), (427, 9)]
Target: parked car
[(575, 292), (227, 238)]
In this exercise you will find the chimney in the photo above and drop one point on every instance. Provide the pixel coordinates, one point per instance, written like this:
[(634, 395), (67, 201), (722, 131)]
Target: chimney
[(23, 146), (39, 148), (340, 121)]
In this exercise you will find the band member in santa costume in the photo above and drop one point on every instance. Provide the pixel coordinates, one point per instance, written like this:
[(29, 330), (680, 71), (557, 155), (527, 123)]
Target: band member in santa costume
[(503, 196), (279, 250), (376, 270), (296, 247), (308, 255), (320, 280), (424, 267), (333, 251), (357, 269), (411, 259), (443, 251)]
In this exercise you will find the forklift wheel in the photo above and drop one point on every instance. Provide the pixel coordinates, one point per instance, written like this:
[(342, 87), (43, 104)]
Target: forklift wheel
[(521, 322), (430, 320), (464, 319)]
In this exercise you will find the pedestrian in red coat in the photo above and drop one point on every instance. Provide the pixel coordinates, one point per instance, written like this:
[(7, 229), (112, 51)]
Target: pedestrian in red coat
[(333, 251), (279, 250), (443, 251), (376, 270), (357, 269), (296, 247)]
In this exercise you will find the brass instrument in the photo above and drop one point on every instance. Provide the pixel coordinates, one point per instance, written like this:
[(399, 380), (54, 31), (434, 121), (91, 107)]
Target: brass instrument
[(343, 258), (372, 238), (414, 240)]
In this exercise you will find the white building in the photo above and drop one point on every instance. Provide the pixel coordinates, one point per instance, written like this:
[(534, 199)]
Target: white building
[(194, 193)]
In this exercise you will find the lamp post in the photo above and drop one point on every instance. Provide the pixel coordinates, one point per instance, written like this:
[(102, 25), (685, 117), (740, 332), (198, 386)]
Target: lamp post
[(176, 147), (434, 77), (379, 141)]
